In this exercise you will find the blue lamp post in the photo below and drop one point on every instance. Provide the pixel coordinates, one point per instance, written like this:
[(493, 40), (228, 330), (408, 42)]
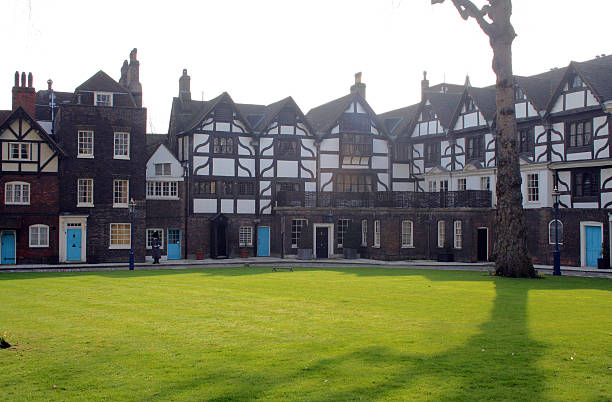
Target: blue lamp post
[(132, 206), (556, 253)]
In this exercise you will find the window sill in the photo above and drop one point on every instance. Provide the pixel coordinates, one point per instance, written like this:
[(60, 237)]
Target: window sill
[(157, 197), (85, 205), (85, 156), (20, 160), (119, 247), (375, 246), (120, 206), (125, 158), (407, 246), (31, 246), (16, 203)]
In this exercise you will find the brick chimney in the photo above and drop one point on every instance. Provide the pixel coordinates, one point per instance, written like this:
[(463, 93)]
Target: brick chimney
[(24, 96), (359, 86), (185, 86), (424, 85)]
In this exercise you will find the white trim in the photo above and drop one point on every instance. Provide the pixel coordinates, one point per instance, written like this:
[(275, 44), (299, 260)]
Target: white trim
[(110, 237), (81, 221), (411, 243), (19, 158), (86, 155), (14, 244), (161, 239), (583, 225), (456, 235), (377, 235), (13, 183), (127, 197), (38, 226), (124, 157), (551, 229), (330, 238), (96, 93), (85, 204)]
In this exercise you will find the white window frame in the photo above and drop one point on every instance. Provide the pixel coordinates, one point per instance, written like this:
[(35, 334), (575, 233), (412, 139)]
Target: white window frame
[(376, 234), (295, 232), (20, 145), (343, 225), (433, 186), (162, 190), (407, 234), (149, 238), (364, 233), (551, 232), (120, 204), (113, 242), (443, 185), (485, 183), (533, 187), (81, 141), (458, 234), (162, 171), (22, 185), (245, 236), (116, 136), (441, 233), (89, 203), (110, 97), (39, 244), (462, 184)]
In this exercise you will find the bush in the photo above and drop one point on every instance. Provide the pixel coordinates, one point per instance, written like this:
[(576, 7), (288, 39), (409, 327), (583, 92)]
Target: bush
[(352, 237), (305, 240)]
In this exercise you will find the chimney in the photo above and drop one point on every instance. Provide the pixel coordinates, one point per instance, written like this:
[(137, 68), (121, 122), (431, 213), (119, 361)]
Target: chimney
[(24, 96), (359, 87), (132, 77), (185, 87), (424, 84)]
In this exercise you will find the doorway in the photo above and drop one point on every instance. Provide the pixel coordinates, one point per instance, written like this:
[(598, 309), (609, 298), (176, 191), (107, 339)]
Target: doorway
[(482, 244), (322, 242), (174, 244), (263, 241), (73, 244), (8, 247), (592, 245), (218, 239)]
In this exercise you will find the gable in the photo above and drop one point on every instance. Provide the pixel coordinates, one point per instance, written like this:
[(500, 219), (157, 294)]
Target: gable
[(163, 155)]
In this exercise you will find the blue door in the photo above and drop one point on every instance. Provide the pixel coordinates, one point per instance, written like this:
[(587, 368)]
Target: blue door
[(174, 244), (263, 241), (8, 247), (73, 245), (593, 245)]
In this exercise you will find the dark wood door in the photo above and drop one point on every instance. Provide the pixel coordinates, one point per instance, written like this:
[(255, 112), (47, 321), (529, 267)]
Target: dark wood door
[(322, 242), (482, 244)]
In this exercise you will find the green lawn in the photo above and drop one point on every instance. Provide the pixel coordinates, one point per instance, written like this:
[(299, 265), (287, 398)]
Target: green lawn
[(313, 334)]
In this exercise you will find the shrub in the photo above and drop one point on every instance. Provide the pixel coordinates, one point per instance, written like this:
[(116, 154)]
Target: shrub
[(352, 237), (305, 240)]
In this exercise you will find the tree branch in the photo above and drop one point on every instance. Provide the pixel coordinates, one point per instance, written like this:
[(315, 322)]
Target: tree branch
[(468, 9)]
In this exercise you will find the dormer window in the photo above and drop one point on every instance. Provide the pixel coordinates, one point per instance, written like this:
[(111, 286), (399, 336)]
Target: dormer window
[(575, 82), (223, 113), (518, 93), (427, 113), (355, 122), (104, 99), (469, 105)]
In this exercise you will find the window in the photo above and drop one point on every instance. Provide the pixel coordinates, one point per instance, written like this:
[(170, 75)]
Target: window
[(120, 193), (585, 185), (443, 185), (286, 117), (376, 234), (580, 134), (518, 93), (551, 231), (85, 145), (223, 113), (364, 233), (246, 188), (342, 227), (356, 145), (458, 235), (407, 228), (205, 187), (120, 235), (474, 148), (402, 152), (461, 184), (223, 145), (19, 151), (533, 187), (432, 153), (160, 234), (526, 141), (441, 234), (286, 148), (353, 183), (122, 146), (163, 169), (355, 122), (85, 193), (162, 189), (282, 186), (433, 186), (574, 82), (226, 187), (469, 105), (296, 231), (104, 99), (17, 193), (245, 236), (39, 236), (485, 183)]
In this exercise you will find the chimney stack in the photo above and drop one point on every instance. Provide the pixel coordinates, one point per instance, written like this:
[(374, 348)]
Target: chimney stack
[(24, 96), (359, 87), (424, 85), (132, 77), (185, 86)]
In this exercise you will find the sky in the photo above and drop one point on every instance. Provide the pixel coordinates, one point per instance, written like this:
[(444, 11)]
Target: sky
[(263, 51)]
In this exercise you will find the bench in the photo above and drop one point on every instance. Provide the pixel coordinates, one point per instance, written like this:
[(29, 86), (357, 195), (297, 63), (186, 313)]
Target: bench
[(275, 269)]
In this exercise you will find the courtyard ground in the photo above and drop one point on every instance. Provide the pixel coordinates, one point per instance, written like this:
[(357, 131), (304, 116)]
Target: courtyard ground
[(313, 334)]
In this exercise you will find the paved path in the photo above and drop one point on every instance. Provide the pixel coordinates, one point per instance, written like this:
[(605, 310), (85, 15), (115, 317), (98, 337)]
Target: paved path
[(273, 261)]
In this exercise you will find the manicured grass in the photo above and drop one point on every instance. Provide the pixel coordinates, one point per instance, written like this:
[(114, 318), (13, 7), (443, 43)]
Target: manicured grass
[(312, 334)]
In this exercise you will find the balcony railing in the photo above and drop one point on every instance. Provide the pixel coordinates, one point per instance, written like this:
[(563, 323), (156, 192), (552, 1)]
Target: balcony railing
[(386, 199)]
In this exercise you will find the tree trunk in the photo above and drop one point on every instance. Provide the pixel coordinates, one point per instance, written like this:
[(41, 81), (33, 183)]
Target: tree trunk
[(511, 255)]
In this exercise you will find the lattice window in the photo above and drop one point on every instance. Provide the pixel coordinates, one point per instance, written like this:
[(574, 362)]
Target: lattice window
[(39, 236), (120, 235), (85, 144), (122, 146), (297, 225), (342, 228), (85, 192), (245, 236), (17, 193), (458, 235), (407, 234), (533, 187), (120, 193)]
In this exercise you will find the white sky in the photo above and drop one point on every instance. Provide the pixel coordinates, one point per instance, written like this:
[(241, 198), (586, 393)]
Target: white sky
[(262, 51)]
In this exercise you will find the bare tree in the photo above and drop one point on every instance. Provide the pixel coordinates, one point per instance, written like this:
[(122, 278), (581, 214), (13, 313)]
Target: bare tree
[(511, 255)]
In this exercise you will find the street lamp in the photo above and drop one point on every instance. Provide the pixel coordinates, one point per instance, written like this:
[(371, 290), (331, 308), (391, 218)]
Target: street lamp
[(556, 253), (132, 206)]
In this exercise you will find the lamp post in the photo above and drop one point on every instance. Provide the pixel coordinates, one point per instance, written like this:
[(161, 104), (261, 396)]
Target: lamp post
[(556, 253), (132, 206)]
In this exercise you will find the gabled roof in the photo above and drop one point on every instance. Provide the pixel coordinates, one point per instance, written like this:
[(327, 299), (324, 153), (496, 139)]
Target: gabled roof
[(4, 114), (539, 88), (272, 110), (20, 113), (484, 98), (597, 75), (101, 81), (324, 117), (444, 105), (396, 120), (153, 141), (243, 110)]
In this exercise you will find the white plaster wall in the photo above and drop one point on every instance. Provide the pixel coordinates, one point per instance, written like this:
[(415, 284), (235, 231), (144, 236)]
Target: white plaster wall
[(310, 186), (360, 108), (287, 169), (459, 123), (227, 206), (373, 130), (590, 205), (401, 170), (267, 210), (308, 144), (264, 164), (326, 177), (603, 148), (470, 120), (264, 143), (558, 106), (591, 101), (223, 167), (565, 177), (445, 161), (163, 155), (265, 187), (531, 112), (574, 100), (246, 206), (559, 150), (335, 130), (519, 110), (538, 131), (223, 127), (419, 166), (238, 127), (249, 164), (579, 156), (310, 165), (329, 161), (380, 146), (199, 161), (245, 141), (403, 187), (383, 178), (200, 139), (539, 150), (380, 162), (205, 206), (286, 129), (330, 144)]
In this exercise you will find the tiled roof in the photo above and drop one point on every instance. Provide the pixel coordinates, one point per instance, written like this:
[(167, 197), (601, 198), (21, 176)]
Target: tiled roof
[(598, 74), (153, 141), (444, 105), (398, 119), (484, 98), (324, 116)]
